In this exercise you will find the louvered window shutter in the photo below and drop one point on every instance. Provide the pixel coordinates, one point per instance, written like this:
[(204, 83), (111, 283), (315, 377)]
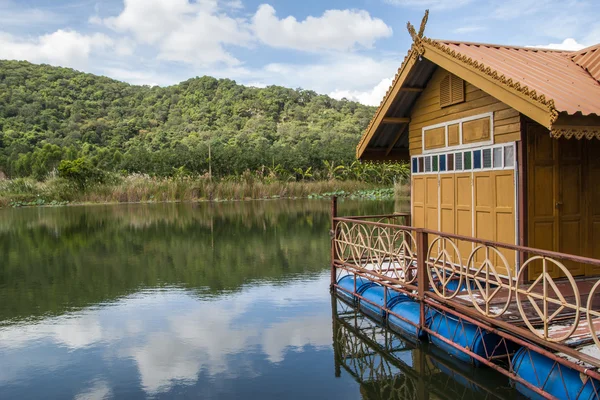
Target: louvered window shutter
[(452, 90), (445, 95)]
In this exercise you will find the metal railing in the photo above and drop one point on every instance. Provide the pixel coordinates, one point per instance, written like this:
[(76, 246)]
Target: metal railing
[(482, 281)]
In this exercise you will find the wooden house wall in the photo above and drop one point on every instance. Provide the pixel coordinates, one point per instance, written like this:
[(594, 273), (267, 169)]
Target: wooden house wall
[(476, 203), (427, 111)]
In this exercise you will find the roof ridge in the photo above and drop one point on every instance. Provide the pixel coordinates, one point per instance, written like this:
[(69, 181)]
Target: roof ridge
[(587, 49), (507, 46)]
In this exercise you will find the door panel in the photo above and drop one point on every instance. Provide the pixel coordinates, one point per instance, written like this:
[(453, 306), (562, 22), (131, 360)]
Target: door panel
[(570, 205), (464, 212), (557, 199), (592, 188), (543, 218)]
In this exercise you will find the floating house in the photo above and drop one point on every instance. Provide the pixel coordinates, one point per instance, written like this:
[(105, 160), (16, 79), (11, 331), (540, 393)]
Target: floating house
[(498, 262), (503, 143)]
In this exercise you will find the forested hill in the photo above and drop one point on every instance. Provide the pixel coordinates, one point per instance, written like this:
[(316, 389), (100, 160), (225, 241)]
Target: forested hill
[(50, 113)]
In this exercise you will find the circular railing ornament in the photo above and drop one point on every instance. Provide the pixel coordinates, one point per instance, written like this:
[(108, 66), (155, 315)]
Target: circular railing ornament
[(487, 273), (380, 248), (550, 296), (590, 311), (403, 257), (445, 267), (343, 240)]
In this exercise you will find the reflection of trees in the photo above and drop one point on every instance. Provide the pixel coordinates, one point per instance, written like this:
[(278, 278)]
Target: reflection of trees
[(388, 367), (57, 258)]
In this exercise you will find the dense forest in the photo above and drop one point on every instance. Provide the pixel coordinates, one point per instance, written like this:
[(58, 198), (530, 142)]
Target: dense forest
[(49, 114)]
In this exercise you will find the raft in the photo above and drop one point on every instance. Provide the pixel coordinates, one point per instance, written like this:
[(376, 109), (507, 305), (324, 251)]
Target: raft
[(542, 372), (468, 336), (410, 310), (378, 300), (347, 283)]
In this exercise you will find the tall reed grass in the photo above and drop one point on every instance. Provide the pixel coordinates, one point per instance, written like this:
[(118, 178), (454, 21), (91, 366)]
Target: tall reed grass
[(145, 188)]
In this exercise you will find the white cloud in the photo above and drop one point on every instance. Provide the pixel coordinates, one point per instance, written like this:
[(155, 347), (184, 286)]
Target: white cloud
[(63, 47), (334, 30), (191, 32), (429, 4), (369, 97), (348, 73), (567, 44)]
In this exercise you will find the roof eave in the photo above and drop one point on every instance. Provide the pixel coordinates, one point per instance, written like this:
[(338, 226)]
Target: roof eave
[(387, 101)]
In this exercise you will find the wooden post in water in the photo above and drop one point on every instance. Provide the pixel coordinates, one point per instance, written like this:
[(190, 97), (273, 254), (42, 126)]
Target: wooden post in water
[(336, 346), (422, 277), (333, 235)]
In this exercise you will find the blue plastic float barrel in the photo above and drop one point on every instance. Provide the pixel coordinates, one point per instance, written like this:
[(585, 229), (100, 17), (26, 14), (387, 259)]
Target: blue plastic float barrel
[(377, 299), (410, 310), (542, 372), (347, 283), (468, 336)]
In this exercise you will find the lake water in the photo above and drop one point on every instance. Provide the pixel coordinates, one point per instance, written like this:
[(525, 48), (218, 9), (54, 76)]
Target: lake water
[(223, 300)]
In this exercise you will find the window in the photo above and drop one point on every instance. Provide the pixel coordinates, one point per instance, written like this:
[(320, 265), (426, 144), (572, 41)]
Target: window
[(509, 156), (487, 158), (498, 157), (452, 90), (495, 157), (477, 159), (459, 162), (467, 160)]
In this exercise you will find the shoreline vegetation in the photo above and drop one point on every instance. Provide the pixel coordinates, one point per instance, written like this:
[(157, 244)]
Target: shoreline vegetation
[(141, 188)]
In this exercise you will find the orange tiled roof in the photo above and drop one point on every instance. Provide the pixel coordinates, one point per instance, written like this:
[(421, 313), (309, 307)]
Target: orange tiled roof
[(569, 78), (589, 59), (563, 81)]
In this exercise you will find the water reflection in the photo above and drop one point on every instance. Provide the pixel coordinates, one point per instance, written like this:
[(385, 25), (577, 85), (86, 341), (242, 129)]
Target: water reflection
[(389, 367), (213, 301), (207, 300)]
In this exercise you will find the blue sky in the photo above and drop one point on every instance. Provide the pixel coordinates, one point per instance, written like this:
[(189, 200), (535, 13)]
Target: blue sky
[(346, 48)]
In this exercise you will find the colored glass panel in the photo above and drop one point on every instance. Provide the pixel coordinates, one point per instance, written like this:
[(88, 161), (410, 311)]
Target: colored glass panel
[(477, 159), (467, 163)]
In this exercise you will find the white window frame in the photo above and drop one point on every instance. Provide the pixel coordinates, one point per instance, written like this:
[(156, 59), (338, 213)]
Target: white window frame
[(460, 122), (462, 152)]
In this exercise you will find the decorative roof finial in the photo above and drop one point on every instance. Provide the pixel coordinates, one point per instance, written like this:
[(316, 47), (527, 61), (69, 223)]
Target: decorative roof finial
[(416, 37)]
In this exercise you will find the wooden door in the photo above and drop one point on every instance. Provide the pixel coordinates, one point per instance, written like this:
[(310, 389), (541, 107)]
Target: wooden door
[(592, 179), (541, 195), (556, 197), (569, 202)]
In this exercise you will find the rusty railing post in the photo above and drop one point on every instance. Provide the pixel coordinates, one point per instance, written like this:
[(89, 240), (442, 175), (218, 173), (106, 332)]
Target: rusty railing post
[(333, 237), (422, 277)]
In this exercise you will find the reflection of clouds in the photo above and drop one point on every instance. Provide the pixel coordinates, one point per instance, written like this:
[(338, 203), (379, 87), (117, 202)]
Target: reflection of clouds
[(298, 333), (74, 331), (98, 391), (173, 336)]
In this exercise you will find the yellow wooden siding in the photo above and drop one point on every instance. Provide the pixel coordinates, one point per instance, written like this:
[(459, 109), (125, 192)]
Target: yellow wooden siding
[(494, 208), (418, 201), (435, 138), (477, 130), (427, 111)]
